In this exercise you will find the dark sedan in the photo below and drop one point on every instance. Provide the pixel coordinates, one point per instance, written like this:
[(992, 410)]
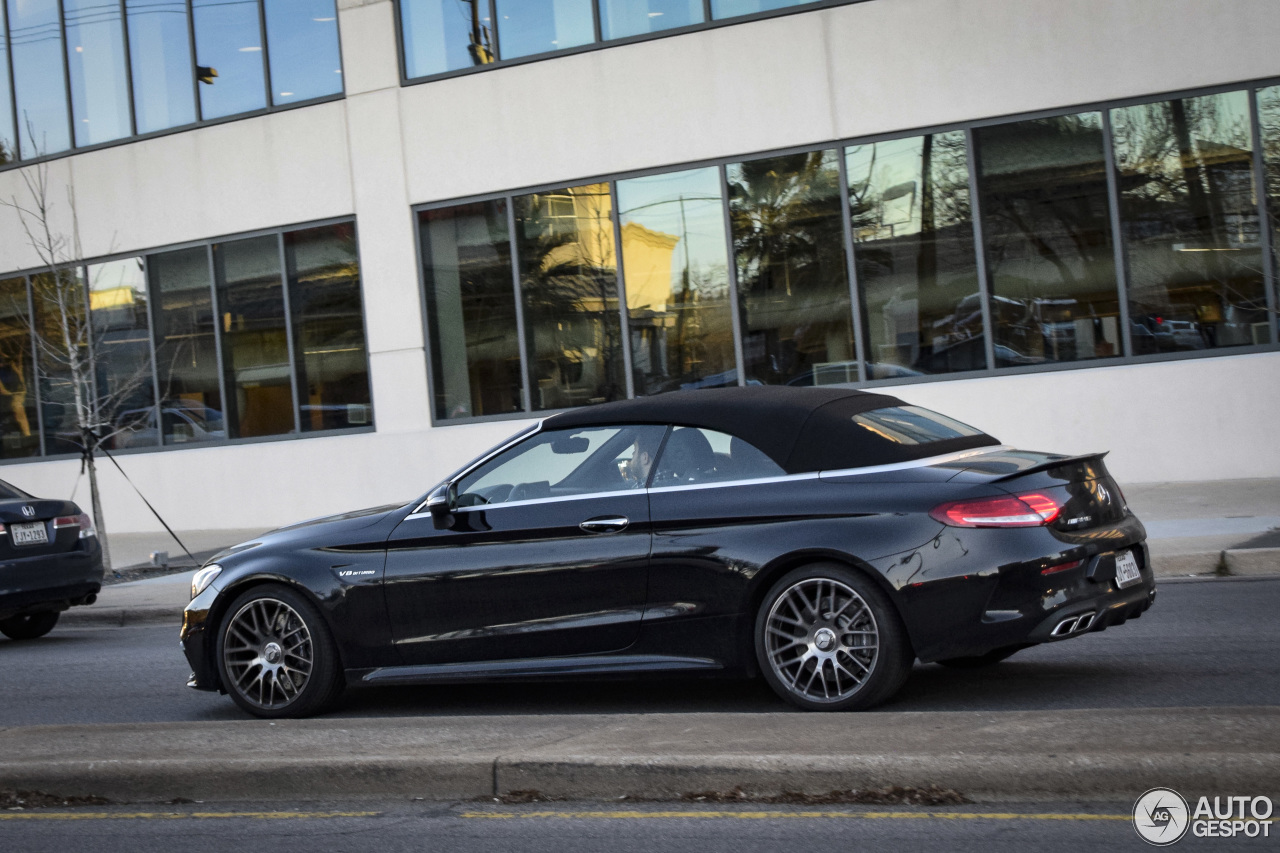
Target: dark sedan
[(50, 560), (822, 537)]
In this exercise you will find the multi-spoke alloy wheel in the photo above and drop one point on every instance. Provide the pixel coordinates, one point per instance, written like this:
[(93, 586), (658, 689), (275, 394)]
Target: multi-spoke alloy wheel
[(827, 639), (275, 654)]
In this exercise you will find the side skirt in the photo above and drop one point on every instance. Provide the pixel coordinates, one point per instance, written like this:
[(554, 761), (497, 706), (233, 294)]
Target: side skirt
[(445, 673)]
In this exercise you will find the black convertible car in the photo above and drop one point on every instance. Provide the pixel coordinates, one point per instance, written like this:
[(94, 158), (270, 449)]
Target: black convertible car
[(825, 538)]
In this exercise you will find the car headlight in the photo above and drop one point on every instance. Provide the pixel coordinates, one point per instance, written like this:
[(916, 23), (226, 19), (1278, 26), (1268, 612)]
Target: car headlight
[(201, 580)]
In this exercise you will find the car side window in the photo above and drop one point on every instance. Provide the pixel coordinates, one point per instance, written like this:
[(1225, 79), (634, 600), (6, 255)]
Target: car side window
[(564, 463), (694, 455)]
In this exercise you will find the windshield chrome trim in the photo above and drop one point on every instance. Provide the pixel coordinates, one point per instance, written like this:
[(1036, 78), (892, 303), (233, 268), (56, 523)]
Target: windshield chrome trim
[(520, 436)]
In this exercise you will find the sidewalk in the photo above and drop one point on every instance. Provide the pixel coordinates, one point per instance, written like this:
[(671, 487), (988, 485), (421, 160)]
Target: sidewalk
[(1016, 755), (1220, 527)]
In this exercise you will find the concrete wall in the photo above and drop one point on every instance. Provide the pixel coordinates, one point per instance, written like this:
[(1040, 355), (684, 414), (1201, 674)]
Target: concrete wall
[(879, 66)]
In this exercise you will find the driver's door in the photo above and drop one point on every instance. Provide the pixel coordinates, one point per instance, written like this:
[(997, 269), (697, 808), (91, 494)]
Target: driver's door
[(548, 555)]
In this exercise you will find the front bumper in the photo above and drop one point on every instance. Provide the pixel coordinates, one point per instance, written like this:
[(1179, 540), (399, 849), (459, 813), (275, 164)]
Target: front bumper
[(195, 640)]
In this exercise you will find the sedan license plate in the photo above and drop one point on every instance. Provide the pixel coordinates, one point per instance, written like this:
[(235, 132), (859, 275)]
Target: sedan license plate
[(33, 533), (1127, 572)]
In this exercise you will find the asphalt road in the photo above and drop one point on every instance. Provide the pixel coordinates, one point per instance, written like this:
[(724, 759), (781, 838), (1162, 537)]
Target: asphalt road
[(391, 827), (1205, 643)]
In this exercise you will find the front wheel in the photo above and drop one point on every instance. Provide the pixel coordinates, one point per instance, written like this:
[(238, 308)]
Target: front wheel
[(28, 626), (828, 639), (276, 655)]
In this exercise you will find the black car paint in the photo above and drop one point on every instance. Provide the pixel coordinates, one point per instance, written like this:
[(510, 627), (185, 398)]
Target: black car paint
[(39, 578), (404, 603)]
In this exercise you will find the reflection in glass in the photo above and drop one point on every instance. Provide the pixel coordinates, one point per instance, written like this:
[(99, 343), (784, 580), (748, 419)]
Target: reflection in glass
[(677, 279), (122, 351), (328, 327), (8, 141), (475, 351), (302, 41), (160, 58), (792, 280), (35, 41), (622, 18), (917, 271), (255, 350), (228, 43), (564, 241), (526, 27), (1190, 221), (1047, 226), (732, 8), (18, 431), (186, 350), (95, 58), (59, 300), (1269, 116), (445, 35)]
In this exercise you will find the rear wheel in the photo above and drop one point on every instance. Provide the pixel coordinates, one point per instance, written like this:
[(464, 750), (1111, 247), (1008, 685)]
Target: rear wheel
[(276, 655), (827, 638), (28, 626)]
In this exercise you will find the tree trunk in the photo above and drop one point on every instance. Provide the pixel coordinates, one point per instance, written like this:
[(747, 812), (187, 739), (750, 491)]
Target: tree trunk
[(97, 511)]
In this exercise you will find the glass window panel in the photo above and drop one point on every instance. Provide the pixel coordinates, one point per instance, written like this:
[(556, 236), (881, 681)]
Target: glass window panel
[(60, 317), (445, 35), (95, 57), (328, 327), (917, 270), (8, 141), (302, 43), (676, 270), (186, 349), (1269, 115), (693, 455), (792, 279), (255, 351), (122, 351), (732, 8), (471, 310), (564, 240), (39, 80), (1190, 222), (1047, 226), (229, 43), (160, 58), (622, 18), (526, 27), (18, 420)]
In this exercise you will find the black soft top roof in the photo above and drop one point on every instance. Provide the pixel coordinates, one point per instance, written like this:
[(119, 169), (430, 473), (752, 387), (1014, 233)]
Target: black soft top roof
[(802, 429)]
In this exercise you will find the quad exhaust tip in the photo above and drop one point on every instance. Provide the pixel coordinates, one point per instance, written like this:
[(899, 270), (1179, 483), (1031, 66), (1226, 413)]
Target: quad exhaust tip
[(1073, 625)]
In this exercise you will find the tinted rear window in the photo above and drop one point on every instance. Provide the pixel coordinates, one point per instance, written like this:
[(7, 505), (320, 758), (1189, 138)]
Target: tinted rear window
[(912, 425), (8, 492)]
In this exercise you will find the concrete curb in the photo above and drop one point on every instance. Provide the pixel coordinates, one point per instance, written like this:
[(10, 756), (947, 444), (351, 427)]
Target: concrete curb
[(120, 617), (1008, 755)]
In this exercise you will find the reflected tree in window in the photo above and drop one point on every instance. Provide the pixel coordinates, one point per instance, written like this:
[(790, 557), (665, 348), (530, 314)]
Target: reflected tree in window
[(18, 419), (1190, 218), (792, 279), (445, 35), (1047, 227), (568, 278), (917, 272)]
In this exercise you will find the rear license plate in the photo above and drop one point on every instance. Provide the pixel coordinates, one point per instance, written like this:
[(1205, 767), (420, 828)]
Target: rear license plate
[(33, 533), (1127, 573)]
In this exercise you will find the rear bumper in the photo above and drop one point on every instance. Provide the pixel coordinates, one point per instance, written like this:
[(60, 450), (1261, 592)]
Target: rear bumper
[(51, 581)]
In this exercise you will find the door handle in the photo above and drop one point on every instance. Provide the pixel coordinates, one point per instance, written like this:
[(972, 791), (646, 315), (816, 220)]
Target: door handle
[(606, 524)]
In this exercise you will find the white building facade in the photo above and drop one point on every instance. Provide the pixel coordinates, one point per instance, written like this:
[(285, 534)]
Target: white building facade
[(1052, 219)]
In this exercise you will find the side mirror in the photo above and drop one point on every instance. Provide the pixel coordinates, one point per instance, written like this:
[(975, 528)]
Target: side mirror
[(440, 504)]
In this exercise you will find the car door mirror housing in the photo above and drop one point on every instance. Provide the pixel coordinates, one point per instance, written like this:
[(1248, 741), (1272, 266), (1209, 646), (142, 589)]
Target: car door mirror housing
[(441, 503)]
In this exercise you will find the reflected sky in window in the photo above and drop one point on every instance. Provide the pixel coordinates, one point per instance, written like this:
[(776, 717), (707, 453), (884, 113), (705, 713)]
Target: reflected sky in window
[(229, 40), (622, 18), (445, 35), (526, 27), (8, 143), (95, 58), (35, 39), (160, 56), (302, 37)]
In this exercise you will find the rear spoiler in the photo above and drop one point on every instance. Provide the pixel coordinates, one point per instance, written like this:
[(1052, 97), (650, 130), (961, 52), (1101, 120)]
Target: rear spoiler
[(1053, 463)]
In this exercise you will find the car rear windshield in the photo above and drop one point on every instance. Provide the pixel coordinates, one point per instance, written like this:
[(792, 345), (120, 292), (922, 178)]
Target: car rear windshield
[(8, 492), (912, 425), (845, 434)]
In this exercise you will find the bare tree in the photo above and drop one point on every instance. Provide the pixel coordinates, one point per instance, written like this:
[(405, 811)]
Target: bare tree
[(79, 387)]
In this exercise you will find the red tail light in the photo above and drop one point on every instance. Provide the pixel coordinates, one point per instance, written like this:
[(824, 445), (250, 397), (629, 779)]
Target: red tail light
[(1030, 510), (81, 521)]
